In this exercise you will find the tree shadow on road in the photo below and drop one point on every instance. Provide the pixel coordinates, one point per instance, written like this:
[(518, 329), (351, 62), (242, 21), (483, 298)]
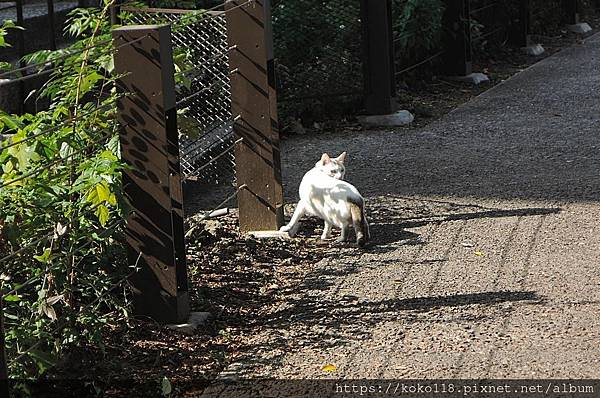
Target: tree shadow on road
[(499, 213), (390, 219), (324, 323)]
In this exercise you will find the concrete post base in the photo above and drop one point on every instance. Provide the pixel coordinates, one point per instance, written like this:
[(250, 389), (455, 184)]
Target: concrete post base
[(533, 50), (580, 28)]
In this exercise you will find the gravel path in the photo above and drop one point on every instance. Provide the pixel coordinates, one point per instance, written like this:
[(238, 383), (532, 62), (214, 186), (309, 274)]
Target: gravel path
[(486, 228)]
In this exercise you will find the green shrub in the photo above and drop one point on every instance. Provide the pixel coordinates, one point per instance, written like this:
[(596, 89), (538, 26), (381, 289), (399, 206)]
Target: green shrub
[(62, 205)]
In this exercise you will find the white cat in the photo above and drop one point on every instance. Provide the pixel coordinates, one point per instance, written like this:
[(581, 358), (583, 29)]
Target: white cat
[(324, 193)]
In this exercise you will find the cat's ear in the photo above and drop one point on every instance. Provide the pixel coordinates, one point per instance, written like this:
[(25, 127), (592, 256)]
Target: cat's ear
[(342, 157), (325, 159)]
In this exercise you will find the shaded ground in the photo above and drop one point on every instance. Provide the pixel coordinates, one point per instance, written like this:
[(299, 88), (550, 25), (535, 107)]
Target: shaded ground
[(236, 278)]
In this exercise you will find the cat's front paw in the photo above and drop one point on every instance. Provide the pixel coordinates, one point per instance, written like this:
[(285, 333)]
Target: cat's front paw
[(288, 229)]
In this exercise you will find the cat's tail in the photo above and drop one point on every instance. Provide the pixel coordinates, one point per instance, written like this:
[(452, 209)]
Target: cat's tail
[(359, 220)]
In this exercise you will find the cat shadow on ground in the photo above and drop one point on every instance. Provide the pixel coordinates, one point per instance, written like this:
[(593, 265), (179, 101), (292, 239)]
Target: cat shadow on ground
[(386, 234), (384, 238), (390, 223)]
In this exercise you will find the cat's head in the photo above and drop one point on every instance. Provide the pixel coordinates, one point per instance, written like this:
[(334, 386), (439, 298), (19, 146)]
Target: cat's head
[(333, 167)]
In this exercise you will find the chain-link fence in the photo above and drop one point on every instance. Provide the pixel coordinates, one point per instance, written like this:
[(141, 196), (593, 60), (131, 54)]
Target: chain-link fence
[(318, 53), (203, 91), (319, 65), (547, 17), (491, 22), (416, 34), (419, 35)]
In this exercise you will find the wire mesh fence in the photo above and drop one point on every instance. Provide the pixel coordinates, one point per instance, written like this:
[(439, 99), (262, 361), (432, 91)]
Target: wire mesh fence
[(421, 30), (547, 16), (204, 99), (318, 50), (417, 34), (491, 21), (318, 53)]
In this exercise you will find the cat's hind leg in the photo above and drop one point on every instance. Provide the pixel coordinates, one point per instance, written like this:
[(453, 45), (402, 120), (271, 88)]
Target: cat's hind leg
[(344, 236), (363, 235), (292, 227), (326, 231), (359, 221)]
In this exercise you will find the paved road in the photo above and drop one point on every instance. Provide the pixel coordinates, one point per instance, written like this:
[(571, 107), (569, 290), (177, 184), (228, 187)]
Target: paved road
[(487, 232)]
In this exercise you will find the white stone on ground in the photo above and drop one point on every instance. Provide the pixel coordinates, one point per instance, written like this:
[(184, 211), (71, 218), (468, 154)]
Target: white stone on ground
[(534, 50), (580, 28)]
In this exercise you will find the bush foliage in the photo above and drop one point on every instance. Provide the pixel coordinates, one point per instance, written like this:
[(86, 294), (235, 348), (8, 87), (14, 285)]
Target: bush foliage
[(61, 207)]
